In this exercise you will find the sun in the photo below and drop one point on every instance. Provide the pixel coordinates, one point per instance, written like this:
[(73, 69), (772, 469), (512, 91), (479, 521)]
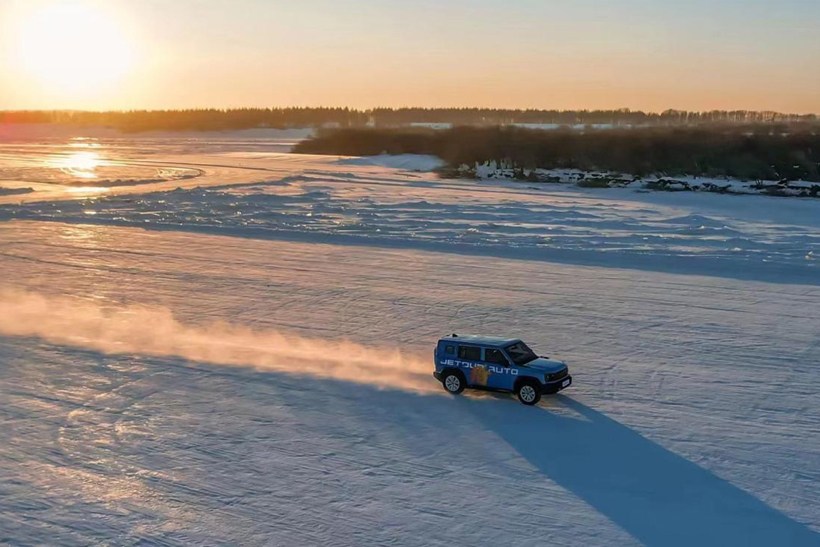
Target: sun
[(75, 47)]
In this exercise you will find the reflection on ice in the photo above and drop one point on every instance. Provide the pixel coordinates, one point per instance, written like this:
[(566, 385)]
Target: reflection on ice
[(89, 167), (83, 142), (81, 165), (81, 232)]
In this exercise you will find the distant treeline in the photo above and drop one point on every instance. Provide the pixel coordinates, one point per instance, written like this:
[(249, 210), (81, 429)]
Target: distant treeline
[(746, 152), (248, 118), (133, 121)]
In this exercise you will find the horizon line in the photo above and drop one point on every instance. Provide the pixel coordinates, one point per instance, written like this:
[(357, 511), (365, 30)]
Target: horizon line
[(621, 110)]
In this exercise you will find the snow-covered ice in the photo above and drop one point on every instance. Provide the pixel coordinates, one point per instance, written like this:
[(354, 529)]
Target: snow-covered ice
[(243, 357), (406, 162)]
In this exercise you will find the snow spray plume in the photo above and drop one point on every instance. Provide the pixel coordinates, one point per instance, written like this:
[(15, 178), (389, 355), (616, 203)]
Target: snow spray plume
[(155, 331)]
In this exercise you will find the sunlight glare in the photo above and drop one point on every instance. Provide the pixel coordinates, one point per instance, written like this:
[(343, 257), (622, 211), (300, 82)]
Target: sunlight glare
[(81, 165), (76, 46)]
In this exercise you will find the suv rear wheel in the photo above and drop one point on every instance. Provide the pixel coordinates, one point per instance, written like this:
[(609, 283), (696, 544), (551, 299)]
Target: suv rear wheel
[(453, 382), (528, 393)]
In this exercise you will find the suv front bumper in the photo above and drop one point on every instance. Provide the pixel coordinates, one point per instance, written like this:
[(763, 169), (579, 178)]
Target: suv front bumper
[(558, 385)]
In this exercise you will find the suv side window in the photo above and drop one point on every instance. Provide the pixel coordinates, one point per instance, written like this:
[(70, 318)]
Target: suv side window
[(495, 356), (450, 350), (469, 353)]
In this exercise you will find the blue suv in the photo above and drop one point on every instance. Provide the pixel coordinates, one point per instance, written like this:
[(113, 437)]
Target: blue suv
[(498, 364)]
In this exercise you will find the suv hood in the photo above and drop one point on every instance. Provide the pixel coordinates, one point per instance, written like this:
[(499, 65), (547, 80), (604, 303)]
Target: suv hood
[(546, 365)]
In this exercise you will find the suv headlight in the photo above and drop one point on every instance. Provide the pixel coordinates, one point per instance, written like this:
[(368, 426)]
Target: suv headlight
[(547, 377)]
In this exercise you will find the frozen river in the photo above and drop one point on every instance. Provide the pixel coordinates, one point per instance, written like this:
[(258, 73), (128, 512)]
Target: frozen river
[(240, 353)]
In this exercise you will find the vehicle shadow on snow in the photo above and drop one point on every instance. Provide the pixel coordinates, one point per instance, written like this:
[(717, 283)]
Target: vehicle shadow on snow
[(658, 497)]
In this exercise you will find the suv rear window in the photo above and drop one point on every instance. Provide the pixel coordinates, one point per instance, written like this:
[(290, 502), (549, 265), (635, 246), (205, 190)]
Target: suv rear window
[(469, 353)]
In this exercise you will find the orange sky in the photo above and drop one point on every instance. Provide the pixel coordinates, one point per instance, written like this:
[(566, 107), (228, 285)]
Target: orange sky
[(696, 55)]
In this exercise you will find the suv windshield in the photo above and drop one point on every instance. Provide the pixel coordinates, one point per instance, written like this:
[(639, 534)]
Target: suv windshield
[(520, 353)]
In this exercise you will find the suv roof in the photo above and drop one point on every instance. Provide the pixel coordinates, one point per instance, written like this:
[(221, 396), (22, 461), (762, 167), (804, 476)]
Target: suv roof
[(493, 341)]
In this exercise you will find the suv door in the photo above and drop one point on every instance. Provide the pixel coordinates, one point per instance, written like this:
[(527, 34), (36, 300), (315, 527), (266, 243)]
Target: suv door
[(501, 374), (474, 369)]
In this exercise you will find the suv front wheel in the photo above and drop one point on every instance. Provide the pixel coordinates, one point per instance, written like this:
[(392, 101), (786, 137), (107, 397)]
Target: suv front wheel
[(528, 393), (453, 382)]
